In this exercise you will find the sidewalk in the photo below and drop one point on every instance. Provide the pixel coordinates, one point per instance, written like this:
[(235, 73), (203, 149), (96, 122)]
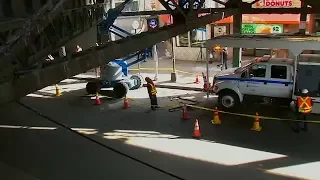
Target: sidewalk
[(187, 66)]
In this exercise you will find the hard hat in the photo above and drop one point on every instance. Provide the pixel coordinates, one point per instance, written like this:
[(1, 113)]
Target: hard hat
[(304, 91)]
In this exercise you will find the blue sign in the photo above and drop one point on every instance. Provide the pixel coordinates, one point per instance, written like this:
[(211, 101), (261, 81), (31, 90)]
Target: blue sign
[(153, 23)]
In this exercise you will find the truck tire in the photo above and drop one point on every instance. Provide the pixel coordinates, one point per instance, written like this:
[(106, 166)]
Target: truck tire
[(139, 80), (93, 87), (228, 100), (120, 89)]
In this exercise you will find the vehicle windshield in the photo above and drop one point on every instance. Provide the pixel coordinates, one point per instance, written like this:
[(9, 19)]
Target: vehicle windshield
[(243, 68)]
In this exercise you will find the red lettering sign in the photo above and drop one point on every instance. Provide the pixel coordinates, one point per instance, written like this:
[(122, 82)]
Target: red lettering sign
[(275, 3)]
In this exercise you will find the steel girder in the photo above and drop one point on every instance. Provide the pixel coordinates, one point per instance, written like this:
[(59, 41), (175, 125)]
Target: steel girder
[(242, 10), (91, 58), (8, 27), (27, 50)]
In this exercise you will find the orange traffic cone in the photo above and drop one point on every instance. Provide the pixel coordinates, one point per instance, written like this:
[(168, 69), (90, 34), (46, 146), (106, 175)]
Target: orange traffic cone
[(216, 119), (126, 104), (185, 115), (196, 131), (197, 81), (256, 124), (97, 100)]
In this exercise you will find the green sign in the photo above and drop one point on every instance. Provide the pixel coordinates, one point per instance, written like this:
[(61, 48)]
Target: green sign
[(261, 28)]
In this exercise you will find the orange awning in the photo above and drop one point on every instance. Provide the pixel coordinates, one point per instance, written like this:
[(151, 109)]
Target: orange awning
[(166, 18), (265, 19)]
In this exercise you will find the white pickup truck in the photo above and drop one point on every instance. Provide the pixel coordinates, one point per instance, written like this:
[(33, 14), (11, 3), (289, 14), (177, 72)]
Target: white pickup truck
[(265, 79)]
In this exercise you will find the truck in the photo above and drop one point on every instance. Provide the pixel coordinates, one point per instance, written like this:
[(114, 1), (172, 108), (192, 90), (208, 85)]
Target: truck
[(267, 80)]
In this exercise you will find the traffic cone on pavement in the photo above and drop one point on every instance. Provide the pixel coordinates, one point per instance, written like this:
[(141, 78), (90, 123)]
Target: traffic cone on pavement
[(126, 104), (197, 81), (185, 115), (97, 100), (256, 124), (216, 119), (58, 91), (196, 131)]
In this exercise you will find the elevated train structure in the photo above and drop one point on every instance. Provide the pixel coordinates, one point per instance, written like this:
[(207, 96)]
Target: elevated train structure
[(26, 41)]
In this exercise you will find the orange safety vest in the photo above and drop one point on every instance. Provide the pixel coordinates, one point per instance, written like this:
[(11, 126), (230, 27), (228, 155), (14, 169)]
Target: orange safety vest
[(304, 104), (153, 89)]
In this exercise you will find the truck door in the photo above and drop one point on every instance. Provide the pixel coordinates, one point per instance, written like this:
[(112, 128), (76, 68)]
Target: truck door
[(279, 85), (255, 83)]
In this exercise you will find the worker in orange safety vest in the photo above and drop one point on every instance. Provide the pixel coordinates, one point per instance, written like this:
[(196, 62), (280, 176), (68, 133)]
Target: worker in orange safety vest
[(152, 91), (304, 105)]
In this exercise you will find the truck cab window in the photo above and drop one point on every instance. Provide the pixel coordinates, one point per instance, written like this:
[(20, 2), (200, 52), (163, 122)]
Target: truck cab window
[(243, 74), (279, 72), (258, 70)]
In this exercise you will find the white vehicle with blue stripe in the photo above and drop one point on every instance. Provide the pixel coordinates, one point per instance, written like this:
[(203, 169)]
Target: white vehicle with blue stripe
[(264, 80)]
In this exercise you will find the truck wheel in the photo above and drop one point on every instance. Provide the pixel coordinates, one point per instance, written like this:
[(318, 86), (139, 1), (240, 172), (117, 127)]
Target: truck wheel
[(228, 100), (120, 89), (138, 81), (93, 87)]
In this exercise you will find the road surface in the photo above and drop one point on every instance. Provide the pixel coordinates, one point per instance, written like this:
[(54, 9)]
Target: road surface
[(47, 137)]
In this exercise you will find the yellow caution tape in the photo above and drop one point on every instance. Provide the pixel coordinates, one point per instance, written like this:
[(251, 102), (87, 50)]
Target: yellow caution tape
[(131, 99), (253, 116), (187, 72)]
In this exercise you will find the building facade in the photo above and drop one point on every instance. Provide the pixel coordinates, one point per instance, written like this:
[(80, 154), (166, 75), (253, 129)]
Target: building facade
[(188, 46)]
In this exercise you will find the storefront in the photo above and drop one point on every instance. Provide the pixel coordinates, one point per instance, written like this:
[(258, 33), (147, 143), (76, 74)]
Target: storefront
[(260, 29), (262, 24), (265, 24), (188, 46)]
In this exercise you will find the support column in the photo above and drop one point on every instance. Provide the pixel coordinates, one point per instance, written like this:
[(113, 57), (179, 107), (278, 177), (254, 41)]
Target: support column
[(208, 51), (156, 61), (312, 24), (173, 56), (303, 20), (237, 52)]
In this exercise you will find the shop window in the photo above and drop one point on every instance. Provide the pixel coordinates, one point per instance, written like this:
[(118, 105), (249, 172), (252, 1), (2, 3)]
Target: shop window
[(279, 72), (130, 7), (182, 40), (198, 37), (258, 71)]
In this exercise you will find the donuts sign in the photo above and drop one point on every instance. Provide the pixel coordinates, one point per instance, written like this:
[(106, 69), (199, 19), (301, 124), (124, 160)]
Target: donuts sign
[(274, 3)]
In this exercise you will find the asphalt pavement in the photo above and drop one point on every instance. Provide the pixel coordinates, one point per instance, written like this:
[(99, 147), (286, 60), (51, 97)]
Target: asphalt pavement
[(68, 137), (186, 66)]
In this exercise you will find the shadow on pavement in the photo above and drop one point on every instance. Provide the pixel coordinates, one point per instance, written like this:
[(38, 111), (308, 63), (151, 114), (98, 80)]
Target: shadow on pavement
[(158, 138)]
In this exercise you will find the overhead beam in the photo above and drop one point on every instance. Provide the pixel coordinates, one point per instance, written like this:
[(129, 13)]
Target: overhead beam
[(219, 2), (9, 24), (19, 24), (243, 11), (94, 57)]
